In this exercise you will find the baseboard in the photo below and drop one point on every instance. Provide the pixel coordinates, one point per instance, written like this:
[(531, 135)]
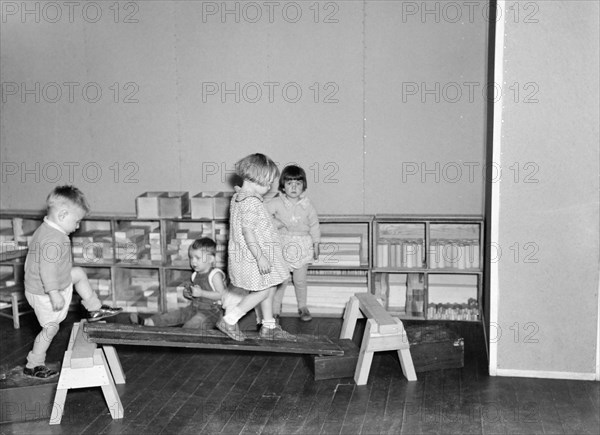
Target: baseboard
[(545, 374)]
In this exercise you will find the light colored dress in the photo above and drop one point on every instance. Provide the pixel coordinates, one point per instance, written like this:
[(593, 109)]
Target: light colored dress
[(248, 211), (301, 229)]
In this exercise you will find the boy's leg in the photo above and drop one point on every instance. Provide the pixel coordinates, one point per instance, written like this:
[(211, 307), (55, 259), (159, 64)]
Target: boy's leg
[(50, 321), (204, 319), (172, 318), (89, 299)]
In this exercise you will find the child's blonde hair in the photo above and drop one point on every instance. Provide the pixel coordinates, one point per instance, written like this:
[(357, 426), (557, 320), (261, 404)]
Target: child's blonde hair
[(257, 168), (66, 196)]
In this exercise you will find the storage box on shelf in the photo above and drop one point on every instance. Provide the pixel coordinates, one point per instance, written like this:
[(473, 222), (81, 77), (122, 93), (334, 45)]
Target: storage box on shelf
[(342, 268), (211, 205), (154, 205), (429, 267)]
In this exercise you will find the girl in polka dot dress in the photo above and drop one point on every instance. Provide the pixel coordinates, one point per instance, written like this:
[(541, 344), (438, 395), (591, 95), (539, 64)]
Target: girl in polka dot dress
[(255, 258)]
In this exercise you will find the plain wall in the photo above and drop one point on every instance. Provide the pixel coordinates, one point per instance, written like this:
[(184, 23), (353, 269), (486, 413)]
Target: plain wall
[(370, 137), (547, 252)]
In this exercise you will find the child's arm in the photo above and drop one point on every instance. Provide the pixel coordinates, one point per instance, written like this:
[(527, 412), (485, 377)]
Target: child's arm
[(264, 265), (272, 208), (49, 278), (57, 300)]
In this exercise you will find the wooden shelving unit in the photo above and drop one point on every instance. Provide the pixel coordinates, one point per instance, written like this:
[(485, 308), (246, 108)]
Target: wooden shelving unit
[(429, 267), (423, 267)]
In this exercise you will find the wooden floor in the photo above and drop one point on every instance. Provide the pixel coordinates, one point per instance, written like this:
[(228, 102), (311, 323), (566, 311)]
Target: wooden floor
[(191, 391)]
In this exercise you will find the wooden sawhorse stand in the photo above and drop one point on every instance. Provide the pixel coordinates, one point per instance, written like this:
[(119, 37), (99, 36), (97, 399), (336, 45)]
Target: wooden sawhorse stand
[(382, 332), (86, 365)]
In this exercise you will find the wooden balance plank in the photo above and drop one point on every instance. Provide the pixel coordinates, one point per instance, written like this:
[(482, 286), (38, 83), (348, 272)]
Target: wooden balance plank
[(113, 333)]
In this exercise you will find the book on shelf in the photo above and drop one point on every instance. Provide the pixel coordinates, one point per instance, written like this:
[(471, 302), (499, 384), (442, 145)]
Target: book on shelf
[(400, 253), (339, 239), (328, 291), (455, 254)]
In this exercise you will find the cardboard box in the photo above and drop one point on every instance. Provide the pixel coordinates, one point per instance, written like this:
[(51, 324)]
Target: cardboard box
[(211, 205), (333, 367), (154, 205), (26, 399)]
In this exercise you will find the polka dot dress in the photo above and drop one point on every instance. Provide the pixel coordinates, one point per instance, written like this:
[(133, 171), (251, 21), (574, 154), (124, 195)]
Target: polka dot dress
[(248, 211)]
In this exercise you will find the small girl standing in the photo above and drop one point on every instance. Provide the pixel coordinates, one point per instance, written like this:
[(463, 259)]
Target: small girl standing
[(298, 225), (255, 259)]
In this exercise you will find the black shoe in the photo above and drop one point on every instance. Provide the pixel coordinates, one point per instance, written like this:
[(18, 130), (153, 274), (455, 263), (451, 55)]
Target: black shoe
[(104, 312), (304, 314), (40, 372), (135, 319)]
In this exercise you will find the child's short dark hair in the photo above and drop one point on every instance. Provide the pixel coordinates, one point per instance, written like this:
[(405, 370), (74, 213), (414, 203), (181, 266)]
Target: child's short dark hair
[(61, 195), (206, 244), (292, 172)]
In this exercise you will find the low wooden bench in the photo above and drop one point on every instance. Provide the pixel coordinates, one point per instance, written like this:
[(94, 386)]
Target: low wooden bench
[(85, 365), (382, 332)]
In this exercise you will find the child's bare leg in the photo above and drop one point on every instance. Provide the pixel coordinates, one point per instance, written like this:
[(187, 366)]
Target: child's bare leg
[(278, 297), (266, 305), (83, 288), (37, 355)]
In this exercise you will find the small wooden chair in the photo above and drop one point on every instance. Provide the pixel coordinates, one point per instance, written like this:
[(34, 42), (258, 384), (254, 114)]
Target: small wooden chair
[(15, 296)]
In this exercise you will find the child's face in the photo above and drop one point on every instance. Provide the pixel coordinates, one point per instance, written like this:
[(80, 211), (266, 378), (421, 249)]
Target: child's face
[(200, 260), (69, 217), (293, 188)]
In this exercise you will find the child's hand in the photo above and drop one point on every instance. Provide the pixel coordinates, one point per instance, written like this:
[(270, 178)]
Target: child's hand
[(57, 300), (279, 223), (264, 265), (196, 291), (316, 251)]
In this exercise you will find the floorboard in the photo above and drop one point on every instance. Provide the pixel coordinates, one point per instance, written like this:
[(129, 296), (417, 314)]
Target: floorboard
[(209, 391)]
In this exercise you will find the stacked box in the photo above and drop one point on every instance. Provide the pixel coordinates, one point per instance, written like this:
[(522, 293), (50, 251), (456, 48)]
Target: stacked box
[(153, 205), (211, 205)]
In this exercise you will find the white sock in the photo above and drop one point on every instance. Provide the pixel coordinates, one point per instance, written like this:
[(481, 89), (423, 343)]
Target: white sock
[(269, 324)]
